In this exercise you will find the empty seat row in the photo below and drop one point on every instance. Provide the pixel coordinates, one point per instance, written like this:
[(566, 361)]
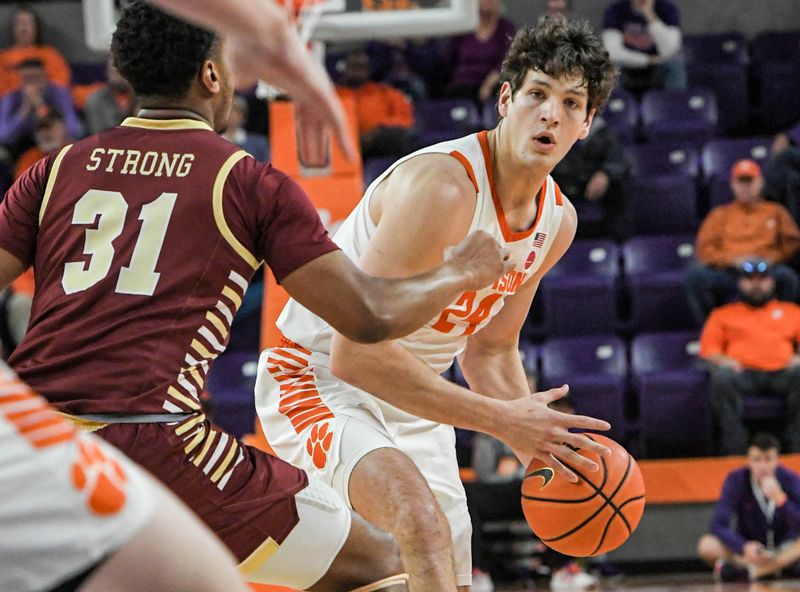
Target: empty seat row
[(599, 287)]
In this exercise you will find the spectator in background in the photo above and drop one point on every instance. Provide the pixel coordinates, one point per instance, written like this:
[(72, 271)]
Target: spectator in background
[(26, 44), (20, 109), (475, 58), (385, 115), (597, 171), (748, 227), (763, 498), (108, 106), (50, 134), (782, 174), (751, 347), (559, 8), (644, 38), (254, 144)]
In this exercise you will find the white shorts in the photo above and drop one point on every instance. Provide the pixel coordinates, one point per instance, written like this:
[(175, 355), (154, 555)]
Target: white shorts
[(68, 499), (319, 423), (308, 552)]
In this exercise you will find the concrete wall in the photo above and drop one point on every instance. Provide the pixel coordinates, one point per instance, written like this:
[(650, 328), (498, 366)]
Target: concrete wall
[(64, 20)]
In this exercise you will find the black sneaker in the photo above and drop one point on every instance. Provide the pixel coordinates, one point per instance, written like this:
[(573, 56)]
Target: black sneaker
[(733, 572)]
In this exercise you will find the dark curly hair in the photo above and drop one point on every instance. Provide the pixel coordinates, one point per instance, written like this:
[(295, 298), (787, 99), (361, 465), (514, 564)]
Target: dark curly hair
[(157, 53), (559, 48)]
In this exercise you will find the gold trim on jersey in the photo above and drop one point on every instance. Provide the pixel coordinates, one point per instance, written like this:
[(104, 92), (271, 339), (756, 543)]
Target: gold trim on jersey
[(219, 214), (222, 467), (258, 557), (172, 391), (166, 124), (51, 180)]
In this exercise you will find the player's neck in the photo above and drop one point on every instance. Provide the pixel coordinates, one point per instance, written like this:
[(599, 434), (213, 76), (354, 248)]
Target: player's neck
[(517, 184), (172, 112)]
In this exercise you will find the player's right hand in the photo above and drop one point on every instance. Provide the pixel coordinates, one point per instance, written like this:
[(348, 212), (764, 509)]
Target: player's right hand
[(533, 430), (481, 258)]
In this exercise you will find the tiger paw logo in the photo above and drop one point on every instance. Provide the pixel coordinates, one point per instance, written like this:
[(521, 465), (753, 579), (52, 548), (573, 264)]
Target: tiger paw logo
[(100, 478), (318, 444)]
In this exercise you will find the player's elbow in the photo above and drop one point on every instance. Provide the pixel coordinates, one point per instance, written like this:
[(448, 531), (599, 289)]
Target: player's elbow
[(371, 327)]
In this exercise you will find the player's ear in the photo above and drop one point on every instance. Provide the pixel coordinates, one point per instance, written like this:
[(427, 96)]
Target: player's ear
[(587, 124), (210, 76), (504, 99)]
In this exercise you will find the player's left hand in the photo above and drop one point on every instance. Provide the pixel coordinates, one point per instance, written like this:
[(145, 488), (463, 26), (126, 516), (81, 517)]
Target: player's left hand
[(772, 488)]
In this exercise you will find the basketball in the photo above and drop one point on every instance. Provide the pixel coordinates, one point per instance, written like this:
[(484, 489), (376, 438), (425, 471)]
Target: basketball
[(590, 517)]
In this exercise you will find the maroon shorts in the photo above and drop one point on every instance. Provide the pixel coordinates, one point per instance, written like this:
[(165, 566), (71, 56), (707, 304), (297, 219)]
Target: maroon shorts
[(243, 494)]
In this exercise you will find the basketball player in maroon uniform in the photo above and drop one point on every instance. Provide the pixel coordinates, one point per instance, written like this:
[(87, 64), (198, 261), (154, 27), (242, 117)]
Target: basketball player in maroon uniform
[(143, 239)]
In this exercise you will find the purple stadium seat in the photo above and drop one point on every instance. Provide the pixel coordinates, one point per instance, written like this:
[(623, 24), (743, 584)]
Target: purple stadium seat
[(595, 368), (776, 82), (716, 48), (444, 119), (580, 293), (775, 46), (719, 156), (622, 114), (674, 402), (729, 83), (664, 204), (776, 60), (683, 115), (374, 168), (668, 158), (654, 272), (231, 383)]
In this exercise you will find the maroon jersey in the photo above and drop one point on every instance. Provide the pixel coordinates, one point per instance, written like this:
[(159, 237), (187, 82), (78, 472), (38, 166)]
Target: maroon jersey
[(143, 240)]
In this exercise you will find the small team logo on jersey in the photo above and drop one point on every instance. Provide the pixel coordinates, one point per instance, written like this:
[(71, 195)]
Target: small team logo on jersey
[(777, 314), (531, 258), (538, 240), (318, 444)]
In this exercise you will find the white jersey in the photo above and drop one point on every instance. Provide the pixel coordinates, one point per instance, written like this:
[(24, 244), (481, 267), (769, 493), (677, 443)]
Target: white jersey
[(445, 336)]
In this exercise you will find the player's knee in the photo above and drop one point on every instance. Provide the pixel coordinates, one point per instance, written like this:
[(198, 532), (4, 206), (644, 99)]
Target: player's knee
[(421, 520)]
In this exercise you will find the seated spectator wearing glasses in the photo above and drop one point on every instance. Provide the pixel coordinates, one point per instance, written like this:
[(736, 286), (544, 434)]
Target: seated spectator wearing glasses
[(732, 233), (755, 531), (644, 38), (751, 348)]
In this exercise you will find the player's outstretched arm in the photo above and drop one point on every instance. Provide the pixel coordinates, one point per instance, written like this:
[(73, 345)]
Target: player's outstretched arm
[(265, 45), (369, 309)]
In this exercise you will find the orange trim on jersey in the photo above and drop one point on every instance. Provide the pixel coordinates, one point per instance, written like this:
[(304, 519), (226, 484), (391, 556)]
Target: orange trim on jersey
[(466, 164), (508, 235), (559, 197)]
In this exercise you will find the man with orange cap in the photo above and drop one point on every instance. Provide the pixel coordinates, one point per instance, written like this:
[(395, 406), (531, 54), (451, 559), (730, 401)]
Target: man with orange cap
[(749, 227)]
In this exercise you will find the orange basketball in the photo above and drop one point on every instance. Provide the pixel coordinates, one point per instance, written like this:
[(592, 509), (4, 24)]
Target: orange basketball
[(590, 517)]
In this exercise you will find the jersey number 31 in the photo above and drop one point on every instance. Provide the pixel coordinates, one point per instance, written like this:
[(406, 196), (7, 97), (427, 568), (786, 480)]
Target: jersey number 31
[(108, 209)]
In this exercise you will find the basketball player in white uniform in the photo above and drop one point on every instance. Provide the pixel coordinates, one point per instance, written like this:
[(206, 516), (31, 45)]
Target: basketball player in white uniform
[(76, 514), (376, 421)]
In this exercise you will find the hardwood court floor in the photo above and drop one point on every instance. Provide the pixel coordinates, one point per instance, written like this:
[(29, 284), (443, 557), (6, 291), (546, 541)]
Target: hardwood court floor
[(679, 583)]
